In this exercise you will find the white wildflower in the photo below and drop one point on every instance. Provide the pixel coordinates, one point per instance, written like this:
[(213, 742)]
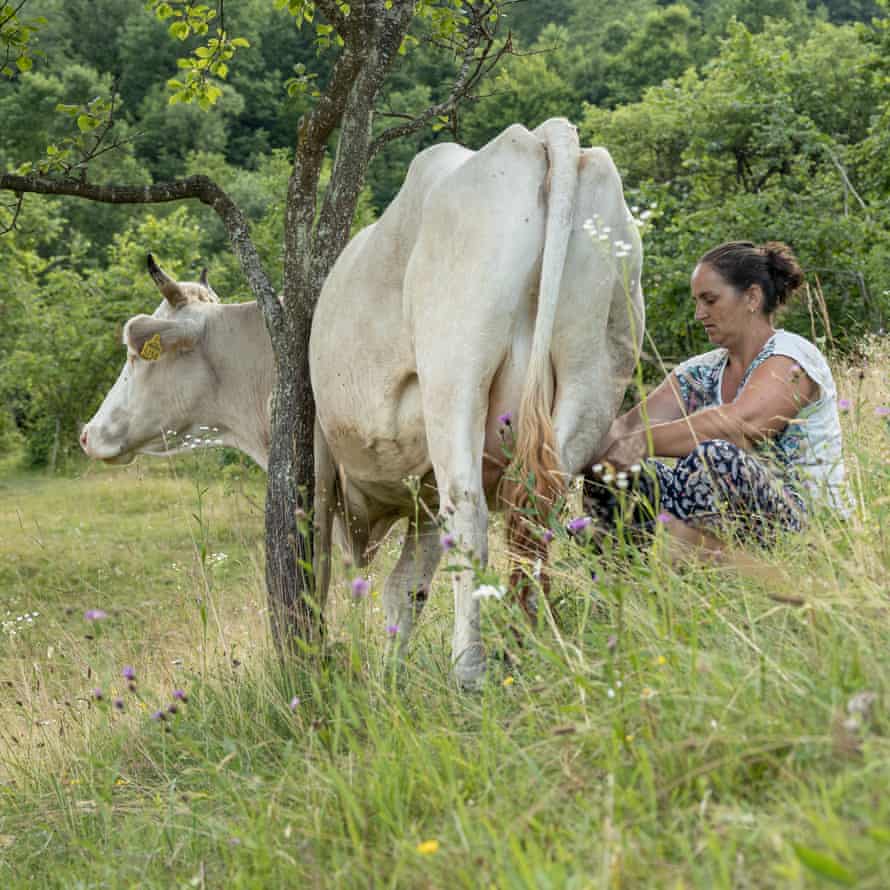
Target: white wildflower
[(487, 591)]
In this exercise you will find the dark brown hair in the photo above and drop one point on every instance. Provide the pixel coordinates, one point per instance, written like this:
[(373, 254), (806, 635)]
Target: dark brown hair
[(772, 265)]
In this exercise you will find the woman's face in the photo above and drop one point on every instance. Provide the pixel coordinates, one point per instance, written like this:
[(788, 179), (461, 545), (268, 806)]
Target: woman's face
[(723, 311)]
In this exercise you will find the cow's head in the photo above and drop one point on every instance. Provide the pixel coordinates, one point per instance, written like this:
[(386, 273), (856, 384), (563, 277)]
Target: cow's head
[(153, 405)]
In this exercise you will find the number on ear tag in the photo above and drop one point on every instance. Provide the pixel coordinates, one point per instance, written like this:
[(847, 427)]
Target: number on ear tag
[(152, 349)]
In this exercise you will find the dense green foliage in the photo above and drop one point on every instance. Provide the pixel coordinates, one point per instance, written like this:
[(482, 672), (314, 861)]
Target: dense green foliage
[(739, 118)]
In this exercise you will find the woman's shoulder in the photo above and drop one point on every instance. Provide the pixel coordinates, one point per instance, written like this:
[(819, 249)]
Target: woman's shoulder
[(805, 353)]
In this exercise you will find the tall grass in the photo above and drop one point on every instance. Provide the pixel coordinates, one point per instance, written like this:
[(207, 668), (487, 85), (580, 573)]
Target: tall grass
[(659, 728)]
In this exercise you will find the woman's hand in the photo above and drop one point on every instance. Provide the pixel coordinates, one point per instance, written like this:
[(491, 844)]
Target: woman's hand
[(622, 452)]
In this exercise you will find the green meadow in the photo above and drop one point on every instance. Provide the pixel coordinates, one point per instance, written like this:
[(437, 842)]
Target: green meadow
[(659, 727)]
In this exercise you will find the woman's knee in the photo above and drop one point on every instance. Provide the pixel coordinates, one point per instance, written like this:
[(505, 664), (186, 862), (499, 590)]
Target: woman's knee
[(712, 452)]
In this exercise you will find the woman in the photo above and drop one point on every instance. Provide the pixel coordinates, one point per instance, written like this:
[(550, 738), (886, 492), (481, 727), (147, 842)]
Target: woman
[(753, 423)]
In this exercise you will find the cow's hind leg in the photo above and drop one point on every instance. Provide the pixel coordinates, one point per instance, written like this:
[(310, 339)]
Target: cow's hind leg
[(471, 283), (455, 430), (407, 587)]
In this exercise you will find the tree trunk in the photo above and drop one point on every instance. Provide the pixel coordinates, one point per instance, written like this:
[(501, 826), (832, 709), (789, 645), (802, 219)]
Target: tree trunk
[(295, 612), (311, 247)]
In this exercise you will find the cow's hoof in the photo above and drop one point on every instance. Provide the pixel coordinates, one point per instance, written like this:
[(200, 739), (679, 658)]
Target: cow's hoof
[(469, 669)]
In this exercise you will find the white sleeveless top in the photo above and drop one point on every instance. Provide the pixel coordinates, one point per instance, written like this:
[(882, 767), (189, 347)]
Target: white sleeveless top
[(808, 452)]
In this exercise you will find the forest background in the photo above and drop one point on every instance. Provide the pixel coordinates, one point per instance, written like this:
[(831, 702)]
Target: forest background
[(756, 119)]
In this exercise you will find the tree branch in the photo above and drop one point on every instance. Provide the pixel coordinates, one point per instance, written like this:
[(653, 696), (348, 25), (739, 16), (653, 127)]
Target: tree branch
[(201, 188), (15, 209), (13, 14), (472, 70), (331, 11), (354, 144)]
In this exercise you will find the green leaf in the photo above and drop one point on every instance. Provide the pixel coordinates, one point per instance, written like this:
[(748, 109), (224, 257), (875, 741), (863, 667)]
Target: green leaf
[(824, 866), (240, 42), (179, 30), (24, 63), (85, 123)]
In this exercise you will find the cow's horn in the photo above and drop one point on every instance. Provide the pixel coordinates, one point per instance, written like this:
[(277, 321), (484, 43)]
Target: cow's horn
[(203, 278), (166, 285)]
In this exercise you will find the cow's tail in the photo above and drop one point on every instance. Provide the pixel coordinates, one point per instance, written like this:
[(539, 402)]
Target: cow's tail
[(535, 480)]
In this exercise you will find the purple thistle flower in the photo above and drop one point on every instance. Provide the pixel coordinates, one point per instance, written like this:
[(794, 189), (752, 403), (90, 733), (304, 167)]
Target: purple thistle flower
[(844, 404), (295, 703), (361, 587), (448, 542), (547, 535), (505, 419), (577, 525), (129, 674), (172, 708), (179, 695), (159, 715), (392, 629), (664, 517), (95, 614), (97, 694), (882, 411), (118, 704)]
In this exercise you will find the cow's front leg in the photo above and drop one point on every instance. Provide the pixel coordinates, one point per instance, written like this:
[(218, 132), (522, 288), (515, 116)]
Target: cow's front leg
[(408, 585)]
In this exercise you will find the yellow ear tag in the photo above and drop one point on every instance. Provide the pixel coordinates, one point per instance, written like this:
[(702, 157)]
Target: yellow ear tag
[(152, 349)]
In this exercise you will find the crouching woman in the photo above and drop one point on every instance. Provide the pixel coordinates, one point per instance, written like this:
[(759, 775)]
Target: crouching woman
[(753, 423)]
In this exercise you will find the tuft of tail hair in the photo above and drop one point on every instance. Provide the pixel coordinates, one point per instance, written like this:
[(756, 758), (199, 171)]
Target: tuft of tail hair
[(535, 480)]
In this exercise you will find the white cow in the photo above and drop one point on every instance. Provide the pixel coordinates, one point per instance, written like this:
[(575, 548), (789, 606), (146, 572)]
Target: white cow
[(198, 372), (476, 293)]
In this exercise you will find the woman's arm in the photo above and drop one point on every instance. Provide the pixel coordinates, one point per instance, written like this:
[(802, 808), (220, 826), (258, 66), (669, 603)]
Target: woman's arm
[(776, 392), (662, 405)]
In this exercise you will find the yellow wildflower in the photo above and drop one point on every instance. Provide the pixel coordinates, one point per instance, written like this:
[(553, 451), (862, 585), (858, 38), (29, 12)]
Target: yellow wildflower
[(508, 681), (426, 848)]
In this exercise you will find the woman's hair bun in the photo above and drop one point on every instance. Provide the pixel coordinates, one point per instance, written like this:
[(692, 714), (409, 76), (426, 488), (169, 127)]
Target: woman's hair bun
[(783, 268), (773, 266)]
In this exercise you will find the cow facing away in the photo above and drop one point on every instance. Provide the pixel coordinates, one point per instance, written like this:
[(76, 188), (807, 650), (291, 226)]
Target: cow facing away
[(477, 293)]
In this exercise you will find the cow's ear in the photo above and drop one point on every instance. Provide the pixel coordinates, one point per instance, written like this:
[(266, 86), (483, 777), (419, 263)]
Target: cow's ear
[(166, 285), (151, 337)]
